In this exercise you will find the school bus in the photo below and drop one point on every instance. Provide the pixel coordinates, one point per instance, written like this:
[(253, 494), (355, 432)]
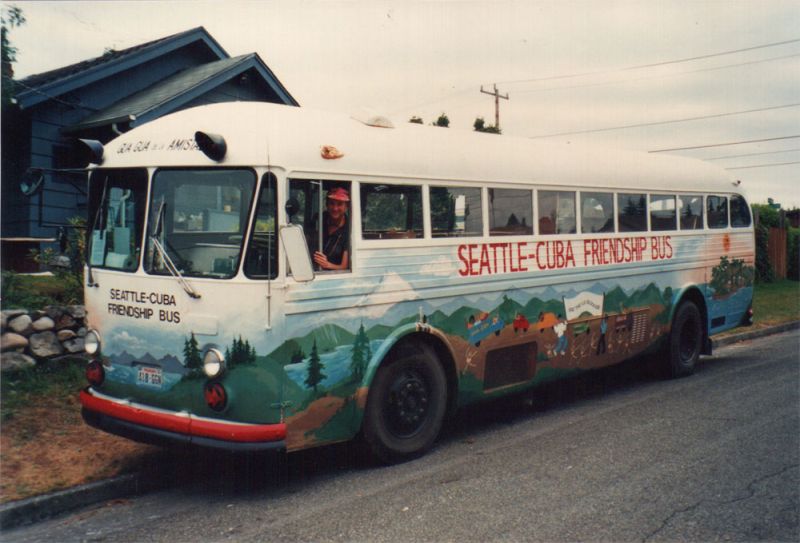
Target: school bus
[(467, 266)]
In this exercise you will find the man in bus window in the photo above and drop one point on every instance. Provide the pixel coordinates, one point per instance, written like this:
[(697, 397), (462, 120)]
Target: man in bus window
[(335, 253)]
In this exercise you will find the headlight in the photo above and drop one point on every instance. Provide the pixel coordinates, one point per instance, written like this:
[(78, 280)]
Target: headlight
[(213, 363), (91, 343)]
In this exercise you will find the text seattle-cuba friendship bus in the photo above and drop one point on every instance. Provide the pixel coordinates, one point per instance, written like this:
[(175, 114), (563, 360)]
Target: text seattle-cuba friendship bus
[(476, 266)]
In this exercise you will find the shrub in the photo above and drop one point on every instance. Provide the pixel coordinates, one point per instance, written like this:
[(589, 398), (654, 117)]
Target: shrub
[(793, 254), (764, 271)]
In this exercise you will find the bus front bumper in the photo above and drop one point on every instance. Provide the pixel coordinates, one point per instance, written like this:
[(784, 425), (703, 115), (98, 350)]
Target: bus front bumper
[(161, 427)]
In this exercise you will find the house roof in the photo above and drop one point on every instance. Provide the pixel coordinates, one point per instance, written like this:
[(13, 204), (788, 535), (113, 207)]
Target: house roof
[(170, 94), (40, 87)]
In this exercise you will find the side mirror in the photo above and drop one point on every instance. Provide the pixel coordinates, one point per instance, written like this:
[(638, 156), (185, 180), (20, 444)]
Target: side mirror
[(292, 207), (294, 242)]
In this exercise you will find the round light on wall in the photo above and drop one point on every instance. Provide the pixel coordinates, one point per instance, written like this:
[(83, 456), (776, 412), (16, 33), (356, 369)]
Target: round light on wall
[(213, 363), (91, 343)]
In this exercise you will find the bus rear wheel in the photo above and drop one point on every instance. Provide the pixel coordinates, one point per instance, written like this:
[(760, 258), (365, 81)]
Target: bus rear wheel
[(685, 340), (406, 406)]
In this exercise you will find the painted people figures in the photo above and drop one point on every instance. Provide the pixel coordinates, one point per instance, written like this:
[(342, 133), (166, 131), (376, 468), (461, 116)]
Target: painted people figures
[(335, 254)]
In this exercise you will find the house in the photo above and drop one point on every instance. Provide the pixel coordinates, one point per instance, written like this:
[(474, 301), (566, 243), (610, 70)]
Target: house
[(98, 99)]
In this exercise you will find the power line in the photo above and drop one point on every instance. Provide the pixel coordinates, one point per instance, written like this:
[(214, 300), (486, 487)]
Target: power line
[(661, 76), (753, 154), (650, 65), (741, 142), (764, 165), (654, 123)]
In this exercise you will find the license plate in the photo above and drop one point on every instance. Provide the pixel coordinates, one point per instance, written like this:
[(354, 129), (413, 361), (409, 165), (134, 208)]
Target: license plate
[(150, 376)]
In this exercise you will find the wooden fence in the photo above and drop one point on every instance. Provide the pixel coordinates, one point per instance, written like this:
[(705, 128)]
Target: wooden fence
[(776, 250)]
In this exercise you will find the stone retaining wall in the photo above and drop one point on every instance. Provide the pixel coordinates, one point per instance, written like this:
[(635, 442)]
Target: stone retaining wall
[(31, 336)]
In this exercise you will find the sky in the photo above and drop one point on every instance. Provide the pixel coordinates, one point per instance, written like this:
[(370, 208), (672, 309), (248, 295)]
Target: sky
[(572, 70)]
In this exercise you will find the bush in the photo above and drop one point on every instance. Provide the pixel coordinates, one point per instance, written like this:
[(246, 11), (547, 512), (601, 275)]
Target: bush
[(764, 271), (37, 291), (793, 254)]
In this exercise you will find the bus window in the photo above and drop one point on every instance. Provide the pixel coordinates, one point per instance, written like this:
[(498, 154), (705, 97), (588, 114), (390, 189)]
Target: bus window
[(116, 211), (556, 212), (740, 212), (456, 212), (510, 212), (632, 212), (391, 211), (717, 207), (691, 212), (199, 219), (597, 212), (662, 212), (262, 250), (328, 243)]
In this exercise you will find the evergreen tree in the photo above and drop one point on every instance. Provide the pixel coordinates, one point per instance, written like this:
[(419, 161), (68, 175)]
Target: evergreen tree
[(315, 367), (191, 353), (361, 354)]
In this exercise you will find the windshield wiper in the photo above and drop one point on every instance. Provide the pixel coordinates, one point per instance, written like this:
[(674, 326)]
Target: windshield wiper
[(171, 268)]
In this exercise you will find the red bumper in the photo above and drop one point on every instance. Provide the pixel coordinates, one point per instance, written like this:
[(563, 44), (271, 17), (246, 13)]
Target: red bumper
[(181, 424)]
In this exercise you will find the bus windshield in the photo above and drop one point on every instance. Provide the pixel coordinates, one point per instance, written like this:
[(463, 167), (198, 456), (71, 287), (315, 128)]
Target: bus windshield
[(199, 218)]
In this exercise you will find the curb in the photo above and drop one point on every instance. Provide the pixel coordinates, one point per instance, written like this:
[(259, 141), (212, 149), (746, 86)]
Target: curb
[(753, 334), (30, 510)]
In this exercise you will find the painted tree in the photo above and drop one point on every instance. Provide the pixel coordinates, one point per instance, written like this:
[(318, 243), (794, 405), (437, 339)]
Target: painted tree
[(315, 375), (361, 354), (415, 120), (443, 120), (191, 354), (480, 126)]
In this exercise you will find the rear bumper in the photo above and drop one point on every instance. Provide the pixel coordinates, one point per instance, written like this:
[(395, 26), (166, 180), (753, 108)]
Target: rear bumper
[(161, 427)]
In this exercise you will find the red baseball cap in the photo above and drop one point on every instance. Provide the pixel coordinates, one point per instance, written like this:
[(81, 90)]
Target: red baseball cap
[(339, 193)]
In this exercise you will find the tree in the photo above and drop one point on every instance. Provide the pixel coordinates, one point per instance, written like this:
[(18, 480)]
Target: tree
[(11, 17), (315, 367), (443, 121), (416, 120), (361, 354), (191, 354), (480, 126)]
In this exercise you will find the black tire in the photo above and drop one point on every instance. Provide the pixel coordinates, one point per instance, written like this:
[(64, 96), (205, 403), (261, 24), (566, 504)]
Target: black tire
[(406, 406), (685, 341)]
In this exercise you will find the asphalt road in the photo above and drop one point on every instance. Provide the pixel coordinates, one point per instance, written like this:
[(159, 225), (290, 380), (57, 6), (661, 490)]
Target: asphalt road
[(611, 456)]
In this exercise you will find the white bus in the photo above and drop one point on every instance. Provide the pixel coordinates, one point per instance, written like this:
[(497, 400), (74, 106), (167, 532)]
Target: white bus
[(270, 277)]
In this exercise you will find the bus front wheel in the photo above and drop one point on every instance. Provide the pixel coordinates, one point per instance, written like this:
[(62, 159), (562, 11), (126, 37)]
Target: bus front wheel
[(406, 406), (685, 340)]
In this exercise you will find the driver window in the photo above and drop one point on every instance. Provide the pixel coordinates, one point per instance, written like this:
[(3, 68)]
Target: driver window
[(328, 240)]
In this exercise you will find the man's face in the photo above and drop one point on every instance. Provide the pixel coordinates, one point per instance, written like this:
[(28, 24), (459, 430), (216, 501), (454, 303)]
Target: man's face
[(336, 208)]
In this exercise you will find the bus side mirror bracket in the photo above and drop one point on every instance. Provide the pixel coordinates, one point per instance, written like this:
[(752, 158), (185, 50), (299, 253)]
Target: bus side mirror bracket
[(294, 243)]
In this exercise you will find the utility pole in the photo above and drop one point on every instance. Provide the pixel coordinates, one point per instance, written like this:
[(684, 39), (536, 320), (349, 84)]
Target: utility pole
[(497, 97)]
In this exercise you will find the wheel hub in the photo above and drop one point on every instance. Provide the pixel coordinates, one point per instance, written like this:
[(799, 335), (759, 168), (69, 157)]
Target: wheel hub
[(407, 404)]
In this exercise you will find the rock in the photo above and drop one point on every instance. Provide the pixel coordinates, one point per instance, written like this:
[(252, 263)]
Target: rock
[(15, 362), (21, 324), (74, 345), (82, 331), (54, 312), (45, 345), (65, 321), (64, 335), (43, 324), (11, 341), (38, 314), (77, 311), (11, 313), (3, 321)]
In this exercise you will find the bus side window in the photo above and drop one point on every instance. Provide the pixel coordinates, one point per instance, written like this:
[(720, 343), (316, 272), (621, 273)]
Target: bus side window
[(662, 212), (597, 212), (456, 212), (691, 208), (717, 208), (262, 250), (328, 242), (740, 212), (510, 212), (391, 211), (632, 212), (556, 212)]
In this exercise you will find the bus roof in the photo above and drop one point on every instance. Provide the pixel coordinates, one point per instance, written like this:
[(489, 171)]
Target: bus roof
[(291, 138)]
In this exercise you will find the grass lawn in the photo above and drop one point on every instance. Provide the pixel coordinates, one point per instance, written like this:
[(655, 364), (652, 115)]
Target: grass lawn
[(774, 303)]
